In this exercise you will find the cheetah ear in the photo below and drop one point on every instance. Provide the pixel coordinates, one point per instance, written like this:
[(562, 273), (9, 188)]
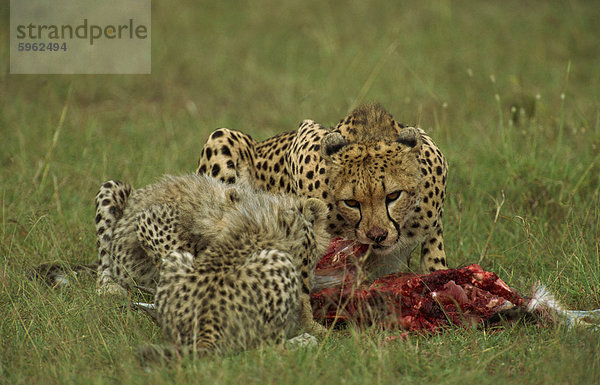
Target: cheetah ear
[(331, 144), (411, 138), (314, 209), (232, 195)]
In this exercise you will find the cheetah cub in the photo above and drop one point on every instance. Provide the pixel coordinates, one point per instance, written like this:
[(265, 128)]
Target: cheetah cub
[(251, 283), (234, 266), (136, 228)]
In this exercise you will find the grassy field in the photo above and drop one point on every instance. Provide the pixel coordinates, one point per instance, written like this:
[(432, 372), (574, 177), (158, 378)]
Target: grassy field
[(510, 91)]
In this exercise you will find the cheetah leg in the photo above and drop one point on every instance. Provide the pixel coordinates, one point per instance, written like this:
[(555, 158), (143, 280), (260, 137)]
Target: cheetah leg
[(277, 273), (110, 203), (307, 321), (433, 256), (229, 156), (201, 337)]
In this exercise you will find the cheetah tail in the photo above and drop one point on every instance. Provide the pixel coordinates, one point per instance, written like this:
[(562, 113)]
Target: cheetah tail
[(60, 274)]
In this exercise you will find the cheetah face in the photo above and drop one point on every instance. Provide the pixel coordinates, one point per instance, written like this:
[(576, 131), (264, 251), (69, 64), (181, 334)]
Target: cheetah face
[(375, 185)]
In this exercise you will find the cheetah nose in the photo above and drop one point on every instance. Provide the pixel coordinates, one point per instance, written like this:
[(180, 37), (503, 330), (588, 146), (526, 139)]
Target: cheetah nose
[(377, 234)]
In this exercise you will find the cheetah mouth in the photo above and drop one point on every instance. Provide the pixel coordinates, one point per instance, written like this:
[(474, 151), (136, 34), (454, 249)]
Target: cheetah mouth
[(383, 250)]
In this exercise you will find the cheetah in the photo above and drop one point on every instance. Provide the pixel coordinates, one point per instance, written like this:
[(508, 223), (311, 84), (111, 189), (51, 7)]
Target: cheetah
[(129, 244), (137, 228), (384, 183), (234, 266)]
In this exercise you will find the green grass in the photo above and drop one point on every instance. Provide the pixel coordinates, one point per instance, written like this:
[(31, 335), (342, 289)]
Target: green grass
[(509, 90)]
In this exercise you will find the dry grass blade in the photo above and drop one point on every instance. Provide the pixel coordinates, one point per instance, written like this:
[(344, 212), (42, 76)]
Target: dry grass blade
[(496, 216)]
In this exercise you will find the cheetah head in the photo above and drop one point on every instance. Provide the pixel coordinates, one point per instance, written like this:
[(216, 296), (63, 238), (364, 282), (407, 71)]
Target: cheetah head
[(375, 184)]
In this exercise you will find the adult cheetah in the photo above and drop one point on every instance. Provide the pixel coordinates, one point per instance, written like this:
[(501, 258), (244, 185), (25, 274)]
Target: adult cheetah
[(384, 184)]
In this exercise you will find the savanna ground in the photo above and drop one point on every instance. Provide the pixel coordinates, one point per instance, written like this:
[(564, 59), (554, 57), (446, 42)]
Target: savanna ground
[(509, 90)]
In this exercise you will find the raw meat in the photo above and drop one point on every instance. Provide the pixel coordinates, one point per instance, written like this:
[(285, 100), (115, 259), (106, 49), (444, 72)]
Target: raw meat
[(466, 296)]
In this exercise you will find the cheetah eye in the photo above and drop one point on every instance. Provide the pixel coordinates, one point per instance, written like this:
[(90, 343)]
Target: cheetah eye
[(393, 196), (352, 203)]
